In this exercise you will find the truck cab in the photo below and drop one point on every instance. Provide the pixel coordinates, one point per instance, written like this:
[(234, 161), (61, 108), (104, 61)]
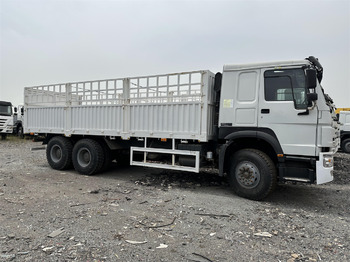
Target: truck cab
[(280, 109), (6, 119), (18, 121)]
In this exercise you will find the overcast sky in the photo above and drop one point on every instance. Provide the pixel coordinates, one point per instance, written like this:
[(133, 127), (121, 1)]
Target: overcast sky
[(47, 42)]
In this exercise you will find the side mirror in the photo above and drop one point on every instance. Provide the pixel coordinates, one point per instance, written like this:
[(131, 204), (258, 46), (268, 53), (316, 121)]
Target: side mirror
[(312, 97), (22, 111), (311, 76), (15, 109)]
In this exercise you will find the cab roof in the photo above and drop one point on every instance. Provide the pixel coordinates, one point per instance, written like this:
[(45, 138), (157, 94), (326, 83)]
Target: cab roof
[(233, 67), (4, 103)]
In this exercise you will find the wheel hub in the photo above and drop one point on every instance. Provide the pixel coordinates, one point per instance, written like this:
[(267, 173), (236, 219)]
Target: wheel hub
[(84, 157), (56, 153), (247, 174), (347, 147)]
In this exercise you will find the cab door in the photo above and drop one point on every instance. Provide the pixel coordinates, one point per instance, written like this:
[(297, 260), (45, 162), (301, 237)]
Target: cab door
[(283, 109)]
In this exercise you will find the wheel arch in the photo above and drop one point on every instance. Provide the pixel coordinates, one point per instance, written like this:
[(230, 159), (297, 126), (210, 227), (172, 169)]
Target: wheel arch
[(75, 138), (259, 140)]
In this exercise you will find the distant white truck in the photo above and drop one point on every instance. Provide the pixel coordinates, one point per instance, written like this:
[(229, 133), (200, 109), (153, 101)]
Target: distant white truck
[(11, 119), (344, 119), (259, 124), (6, 119), (18, 121)]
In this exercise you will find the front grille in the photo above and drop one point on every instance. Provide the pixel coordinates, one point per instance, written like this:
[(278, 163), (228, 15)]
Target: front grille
[(3, 122)]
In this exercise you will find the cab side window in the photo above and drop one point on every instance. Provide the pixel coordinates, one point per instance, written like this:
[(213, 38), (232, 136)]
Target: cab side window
[(286, 85), (278, 89)]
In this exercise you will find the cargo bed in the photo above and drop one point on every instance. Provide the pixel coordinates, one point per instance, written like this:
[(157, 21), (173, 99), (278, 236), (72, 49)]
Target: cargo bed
[(178, 106)]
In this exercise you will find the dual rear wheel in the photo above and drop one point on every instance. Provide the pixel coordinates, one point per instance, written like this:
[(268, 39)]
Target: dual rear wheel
[(87, 155)]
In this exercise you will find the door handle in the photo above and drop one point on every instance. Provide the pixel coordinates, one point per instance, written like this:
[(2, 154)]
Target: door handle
[(265, 111)]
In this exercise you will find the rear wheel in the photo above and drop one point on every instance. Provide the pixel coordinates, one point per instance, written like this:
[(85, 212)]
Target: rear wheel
[(88, 157), (59, 153), (252, 174), (345, 145)]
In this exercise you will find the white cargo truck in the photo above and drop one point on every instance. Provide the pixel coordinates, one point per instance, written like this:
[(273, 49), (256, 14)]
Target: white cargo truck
[(6, 119), (11, 119), (344, 119), (259, 124), (18, 121)]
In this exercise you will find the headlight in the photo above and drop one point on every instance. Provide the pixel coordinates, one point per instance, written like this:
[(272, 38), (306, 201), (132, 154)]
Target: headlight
[(327, 160)]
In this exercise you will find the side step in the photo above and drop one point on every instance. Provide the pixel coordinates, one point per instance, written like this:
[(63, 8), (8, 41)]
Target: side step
[(295, 179), (173, 152)]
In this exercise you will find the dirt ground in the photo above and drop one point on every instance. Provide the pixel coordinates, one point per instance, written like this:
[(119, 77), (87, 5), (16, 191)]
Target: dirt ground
[(140, 214)]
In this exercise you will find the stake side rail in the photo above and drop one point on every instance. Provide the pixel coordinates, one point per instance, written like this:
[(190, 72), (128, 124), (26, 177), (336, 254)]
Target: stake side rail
[(181, 104)]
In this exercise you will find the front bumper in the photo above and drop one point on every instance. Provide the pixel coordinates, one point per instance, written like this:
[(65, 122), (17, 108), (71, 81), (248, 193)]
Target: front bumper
[(6, 130)]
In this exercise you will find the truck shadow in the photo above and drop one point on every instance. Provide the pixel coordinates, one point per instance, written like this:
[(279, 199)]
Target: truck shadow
[(166, 179), (328, 198)]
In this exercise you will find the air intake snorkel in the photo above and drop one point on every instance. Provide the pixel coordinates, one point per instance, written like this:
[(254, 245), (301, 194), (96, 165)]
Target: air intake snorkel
[(317, 66)]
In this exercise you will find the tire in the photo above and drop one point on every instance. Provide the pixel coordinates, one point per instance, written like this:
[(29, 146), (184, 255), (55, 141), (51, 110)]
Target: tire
[(59, 153), (345, 145), (88, 157), (252, 174), (20, 132)]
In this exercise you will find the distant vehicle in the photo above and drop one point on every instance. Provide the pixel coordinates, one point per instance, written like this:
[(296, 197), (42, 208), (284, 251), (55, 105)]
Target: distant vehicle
[(342, 109), (344, 119), (260, 123), (6, 119), (18, 121), (11, 119)]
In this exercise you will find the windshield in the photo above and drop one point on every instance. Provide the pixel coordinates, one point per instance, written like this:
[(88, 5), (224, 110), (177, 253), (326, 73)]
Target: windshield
[(5, 110)]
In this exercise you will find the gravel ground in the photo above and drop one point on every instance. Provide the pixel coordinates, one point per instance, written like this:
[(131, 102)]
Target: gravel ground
[(140, 214)]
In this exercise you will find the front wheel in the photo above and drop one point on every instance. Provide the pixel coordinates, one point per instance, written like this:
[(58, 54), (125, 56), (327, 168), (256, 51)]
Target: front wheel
[(88, 157), (345, 145), (20, 133), (252, 174)]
